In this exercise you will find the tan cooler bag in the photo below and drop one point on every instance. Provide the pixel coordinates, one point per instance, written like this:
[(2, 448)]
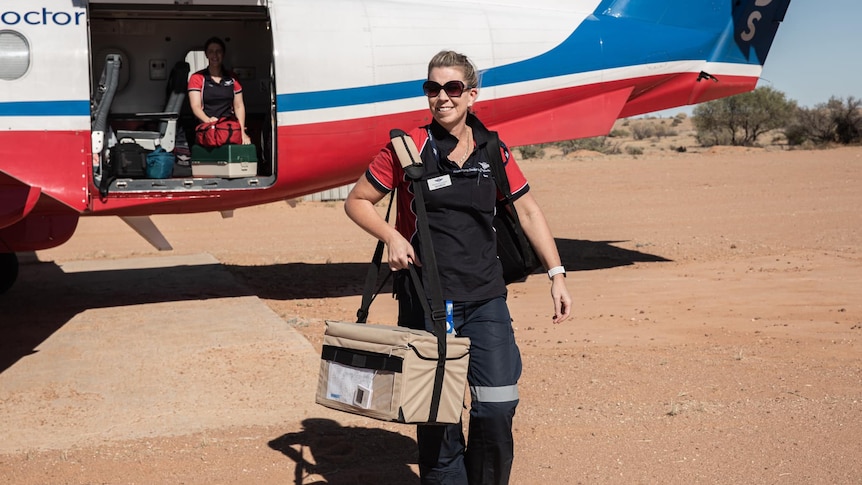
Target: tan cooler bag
[(388, 373)]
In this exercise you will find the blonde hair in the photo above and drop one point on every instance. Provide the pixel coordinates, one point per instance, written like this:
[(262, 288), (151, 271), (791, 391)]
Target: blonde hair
[(455, 59)]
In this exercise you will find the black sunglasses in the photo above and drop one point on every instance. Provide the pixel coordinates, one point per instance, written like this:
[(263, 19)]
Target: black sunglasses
[(454, 89)]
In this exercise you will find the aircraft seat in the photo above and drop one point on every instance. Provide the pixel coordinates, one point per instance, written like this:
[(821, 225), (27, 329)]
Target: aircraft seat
[(167, 135), (102, 99)]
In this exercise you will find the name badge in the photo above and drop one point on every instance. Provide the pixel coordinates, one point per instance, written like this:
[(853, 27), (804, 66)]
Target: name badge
[(439, 182)]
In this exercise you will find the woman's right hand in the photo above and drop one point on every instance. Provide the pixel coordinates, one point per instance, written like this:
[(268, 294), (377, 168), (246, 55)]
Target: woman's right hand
[(359, 206), (400, 253)]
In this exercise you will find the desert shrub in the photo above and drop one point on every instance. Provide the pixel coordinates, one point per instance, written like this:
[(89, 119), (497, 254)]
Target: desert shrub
[(531, 151), (612, 149), (633, 150), (815, 125), (848, 121), (642, 130), (836, 121), (619, 133), (647, 129), (663, 130), (596, 144), (796, 134), (714, 137)]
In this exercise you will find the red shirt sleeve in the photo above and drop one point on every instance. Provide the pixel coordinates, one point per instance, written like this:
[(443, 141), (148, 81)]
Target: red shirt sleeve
[(382, 171), (517, 182), (196, 82), (385, 170), (385, 174)]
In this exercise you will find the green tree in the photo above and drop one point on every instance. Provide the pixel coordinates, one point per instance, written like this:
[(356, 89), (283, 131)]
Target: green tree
[(741, 119)]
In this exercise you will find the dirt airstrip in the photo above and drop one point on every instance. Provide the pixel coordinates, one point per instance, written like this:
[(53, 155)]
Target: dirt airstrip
[(715, 336)]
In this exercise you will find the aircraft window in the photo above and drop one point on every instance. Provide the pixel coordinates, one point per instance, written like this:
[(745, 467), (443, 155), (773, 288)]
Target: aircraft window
[(14, 55)]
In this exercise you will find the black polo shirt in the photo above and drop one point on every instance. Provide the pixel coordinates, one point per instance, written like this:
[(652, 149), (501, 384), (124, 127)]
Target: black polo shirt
[(460, 203), (217, 97)]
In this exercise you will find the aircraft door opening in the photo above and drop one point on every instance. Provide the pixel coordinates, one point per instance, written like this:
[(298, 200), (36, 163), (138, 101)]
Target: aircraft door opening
[(143, 58)]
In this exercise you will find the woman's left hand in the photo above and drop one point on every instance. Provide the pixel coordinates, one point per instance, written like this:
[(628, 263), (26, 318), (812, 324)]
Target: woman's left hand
[(246, 140), (562, 299)]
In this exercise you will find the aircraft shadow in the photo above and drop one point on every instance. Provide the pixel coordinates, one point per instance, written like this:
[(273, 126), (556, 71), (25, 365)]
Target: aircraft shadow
[(326, 452), (290, 281), (582, 255), (45, 298)]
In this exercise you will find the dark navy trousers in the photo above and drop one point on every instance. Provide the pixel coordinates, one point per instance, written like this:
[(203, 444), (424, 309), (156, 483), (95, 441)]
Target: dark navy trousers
[(445, 458)]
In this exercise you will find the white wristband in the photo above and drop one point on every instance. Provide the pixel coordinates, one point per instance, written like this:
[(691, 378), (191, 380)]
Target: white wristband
[(555, 271)]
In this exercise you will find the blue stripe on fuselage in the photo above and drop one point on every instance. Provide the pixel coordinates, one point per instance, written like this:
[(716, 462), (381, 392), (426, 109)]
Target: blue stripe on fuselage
[(348, 96), (618, 34), (45, 108)]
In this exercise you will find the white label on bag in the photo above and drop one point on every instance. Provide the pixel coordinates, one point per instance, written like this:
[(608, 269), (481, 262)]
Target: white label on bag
[(439, 182), (344, 382)]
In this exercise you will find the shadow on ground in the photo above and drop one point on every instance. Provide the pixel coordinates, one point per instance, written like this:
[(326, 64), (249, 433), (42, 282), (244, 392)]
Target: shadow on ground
[(45, 298), (290, 281), (326, 452)]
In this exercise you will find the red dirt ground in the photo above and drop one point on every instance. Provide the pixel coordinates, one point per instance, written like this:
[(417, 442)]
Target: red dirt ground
[(714, 338)]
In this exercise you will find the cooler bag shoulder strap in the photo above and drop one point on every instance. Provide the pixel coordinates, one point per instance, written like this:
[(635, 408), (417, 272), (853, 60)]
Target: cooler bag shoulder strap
[(411, 161), (407, 153)]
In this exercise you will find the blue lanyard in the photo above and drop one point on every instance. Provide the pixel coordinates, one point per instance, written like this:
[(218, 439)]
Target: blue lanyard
[(450, 318)]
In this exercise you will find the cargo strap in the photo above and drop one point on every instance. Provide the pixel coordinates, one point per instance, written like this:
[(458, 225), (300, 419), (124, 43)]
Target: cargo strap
[(369, 294), (411, 162), (359, 358)]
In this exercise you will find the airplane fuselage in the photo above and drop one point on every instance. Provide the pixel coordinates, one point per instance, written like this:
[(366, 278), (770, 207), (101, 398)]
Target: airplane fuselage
[(325, 81)]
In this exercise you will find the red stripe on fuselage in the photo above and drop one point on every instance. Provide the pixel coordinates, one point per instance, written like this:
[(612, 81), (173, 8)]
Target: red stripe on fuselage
[(57, 162), (318, 156)]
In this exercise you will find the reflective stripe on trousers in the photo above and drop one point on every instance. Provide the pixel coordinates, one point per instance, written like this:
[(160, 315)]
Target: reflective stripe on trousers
[(494, 394)]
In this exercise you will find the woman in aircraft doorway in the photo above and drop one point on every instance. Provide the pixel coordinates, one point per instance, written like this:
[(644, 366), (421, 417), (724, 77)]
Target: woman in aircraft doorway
[(460, 205), (214, 92)]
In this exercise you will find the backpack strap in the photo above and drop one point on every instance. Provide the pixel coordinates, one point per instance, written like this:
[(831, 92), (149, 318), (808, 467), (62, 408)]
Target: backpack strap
[(498, 171)]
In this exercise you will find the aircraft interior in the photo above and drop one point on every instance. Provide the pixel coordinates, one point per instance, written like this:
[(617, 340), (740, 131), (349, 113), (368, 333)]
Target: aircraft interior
[(141, 59)]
